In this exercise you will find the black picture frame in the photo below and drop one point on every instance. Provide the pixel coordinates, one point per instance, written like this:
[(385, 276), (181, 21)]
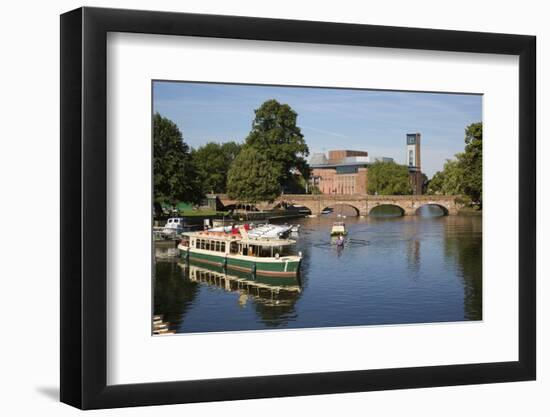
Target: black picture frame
[(84, 207)]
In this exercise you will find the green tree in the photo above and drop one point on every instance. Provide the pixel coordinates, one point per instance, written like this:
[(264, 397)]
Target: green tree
[(425, 182), (275, 134), (253, 177), (174, 175), (212, 162), (471, 162), (462, 175), (435, 185), (449, 181), (388, 178)]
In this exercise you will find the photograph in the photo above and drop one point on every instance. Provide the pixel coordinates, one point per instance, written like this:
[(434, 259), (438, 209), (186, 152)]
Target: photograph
[(285, 207)]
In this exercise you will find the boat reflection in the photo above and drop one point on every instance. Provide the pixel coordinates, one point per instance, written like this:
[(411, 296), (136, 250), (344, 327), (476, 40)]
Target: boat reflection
[(265, 291)]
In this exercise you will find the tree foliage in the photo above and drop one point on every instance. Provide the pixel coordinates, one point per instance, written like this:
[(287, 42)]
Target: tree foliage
[(463, 175), (212, 162), (388, 178), (471, 162), (275, 134), (253, 177), (174, 175), (449, 181)]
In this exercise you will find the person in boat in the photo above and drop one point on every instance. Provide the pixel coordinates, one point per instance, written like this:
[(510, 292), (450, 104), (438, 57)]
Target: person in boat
[(340, 241)]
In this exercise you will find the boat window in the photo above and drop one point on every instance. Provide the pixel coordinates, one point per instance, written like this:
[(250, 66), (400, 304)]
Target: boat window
[(169, 220), (202, 244), (223, 247), (233, 247), (282, 250), (265, 252), (207, 244), (217, 246)]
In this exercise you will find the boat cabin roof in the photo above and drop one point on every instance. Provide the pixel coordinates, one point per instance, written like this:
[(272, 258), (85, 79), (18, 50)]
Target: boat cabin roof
[(228, 237), (268, 242)]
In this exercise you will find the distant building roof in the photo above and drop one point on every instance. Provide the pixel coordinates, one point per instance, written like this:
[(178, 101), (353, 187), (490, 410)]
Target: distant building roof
[(355, 160), (318, 159), (349, 161), (343, 164), (343, 158)]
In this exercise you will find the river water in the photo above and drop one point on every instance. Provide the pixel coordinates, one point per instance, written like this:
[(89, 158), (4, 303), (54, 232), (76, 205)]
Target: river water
[(392, 270)]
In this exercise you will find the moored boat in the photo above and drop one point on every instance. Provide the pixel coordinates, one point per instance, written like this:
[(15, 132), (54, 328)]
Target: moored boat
[(173, 228), (239, 251)]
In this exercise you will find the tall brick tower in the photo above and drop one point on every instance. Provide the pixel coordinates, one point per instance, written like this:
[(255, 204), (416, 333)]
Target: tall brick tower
[(413, 162)]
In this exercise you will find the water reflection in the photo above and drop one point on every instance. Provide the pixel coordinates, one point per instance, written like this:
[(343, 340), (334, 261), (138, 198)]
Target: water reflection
[(173, 295), (467, 254)]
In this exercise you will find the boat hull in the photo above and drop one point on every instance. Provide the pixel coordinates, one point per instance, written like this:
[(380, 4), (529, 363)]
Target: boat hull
[(336, 234), (290, 282), (269, 267)]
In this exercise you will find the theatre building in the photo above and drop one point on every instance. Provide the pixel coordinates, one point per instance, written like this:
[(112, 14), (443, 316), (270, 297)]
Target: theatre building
[(343, 172), (346, 171)]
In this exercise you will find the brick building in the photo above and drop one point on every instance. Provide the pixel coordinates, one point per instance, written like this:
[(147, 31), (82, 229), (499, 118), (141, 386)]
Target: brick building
[(343, 172)]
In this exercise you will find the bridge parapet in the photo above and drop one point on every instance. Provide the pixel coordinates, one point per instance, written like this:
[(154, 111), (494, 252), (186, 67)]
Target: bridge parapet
[(363, 203)]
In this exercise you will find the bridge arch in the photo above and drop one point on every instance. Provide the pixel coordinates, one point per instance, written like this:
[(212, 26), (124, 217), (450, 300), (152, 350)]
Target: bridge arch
[(444, 210), (337, 205), (379, 209), (301, 207)]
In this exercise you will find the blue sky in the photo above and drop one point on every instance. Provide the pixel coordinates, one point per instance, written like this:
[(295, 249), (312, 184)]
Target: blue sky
[(371, 120)]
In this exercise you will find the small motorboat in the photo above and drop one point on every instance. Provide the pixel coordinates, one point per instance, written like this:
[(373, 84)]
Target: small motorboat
[(174, 226), (338, 229)]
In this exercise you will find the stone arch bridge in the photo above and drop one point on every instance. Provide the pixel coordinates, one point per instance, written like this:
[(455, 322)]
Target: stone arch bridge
[(362, 203)]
